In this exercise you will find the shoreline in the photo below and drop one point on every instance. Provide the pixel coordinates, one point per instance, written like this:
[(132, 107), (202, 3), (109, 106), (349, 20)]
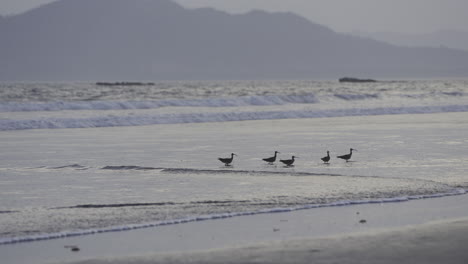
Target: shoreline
[(133, 227), (216, 239)]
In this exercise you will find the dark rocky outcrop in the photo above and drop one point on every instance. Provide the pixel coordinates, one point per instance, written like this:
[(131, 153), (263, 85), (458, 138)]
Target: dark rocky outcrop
[(124, 83), (356, 80)]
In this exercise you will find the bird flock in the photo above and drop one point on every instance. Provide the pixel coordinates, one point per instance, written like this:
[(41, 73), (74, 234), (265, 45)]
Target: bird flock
[(289, 162)]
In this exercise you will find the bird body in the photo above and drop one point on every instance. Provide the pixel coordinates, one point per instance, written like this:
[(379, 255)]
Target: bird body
[(271, 159), (347, 156), (288, 162), (227, 161), (326, 159)]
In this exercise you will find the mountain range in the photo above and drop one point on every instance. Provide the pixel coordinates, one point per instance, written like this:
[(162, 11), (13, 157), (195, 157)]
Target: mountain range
[(84, 40), (441, 38)]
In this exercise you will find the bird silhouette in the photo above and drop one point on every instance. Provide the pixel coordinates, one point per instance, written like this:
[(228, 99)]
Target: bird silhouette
[(271, 159), (347, 156), (227, 161), (289, 162), (326, 159)]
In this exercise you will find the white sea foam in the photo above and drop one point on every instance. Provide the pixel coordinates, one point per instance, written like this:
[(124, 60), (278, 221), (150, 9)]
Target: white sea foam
[(258, 100), (6, 241), (123, 105), (141, 120)]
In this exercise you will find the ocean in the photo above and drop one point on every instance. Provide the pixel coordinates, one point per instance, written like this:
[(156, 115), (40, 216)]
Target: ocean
[(81, 158)]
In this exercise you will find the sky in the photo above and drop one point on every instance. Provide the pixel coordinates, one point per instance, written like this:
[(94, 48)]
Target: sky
[(403, 16)]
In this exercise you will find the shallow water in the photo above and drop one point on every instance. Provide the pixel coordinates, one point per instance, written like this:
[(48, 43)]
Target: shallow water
[(106, 177)]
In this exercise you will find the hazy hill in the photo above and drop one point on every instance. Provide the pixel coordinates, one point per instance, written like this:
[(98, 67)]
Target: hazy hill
[(447, 38), (158, 39)]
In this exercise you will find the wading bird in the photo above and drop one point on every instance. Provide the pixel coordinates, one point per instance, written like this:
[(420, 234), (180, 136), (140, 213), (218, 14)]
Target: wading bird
[(271, 159), (347, 156), (289, 162), (326, 159), (227, 161)]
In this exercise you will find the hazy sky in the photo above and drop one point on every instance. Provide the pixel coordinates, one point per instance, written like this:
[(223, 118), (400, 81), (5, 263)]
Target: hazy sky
[(411, 16)]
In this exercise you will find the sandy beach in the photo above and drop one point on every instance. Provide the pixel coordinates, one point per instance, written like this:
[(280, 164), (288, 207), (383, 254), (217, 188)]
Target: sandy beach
[(419, 231), (401, 198)]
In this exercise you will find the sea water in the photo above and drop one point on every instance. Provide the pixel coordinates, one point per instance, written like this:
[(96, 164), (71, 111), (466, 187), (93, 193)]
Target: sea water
[(81, 158)]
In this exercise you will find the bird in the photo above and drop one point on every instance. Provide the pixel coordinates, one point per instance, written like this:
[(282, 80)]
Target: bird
[(271, 159), (326, 159), (289, 162), (227, 161), (347, 156)]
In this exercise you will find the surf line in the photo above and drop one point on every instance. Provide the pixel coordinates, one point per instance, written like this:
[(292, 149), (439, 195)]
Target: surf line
[(66, 234)]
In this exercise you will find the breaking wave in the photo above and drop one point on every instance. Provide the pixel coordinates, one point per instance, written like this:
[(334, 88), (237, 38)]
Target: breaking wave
[(125, 105), (142, 120)]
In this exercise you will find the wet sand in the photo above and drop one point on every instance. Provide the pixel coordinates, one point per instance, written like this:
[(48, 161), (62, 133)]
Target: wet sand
[(437, 242)]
